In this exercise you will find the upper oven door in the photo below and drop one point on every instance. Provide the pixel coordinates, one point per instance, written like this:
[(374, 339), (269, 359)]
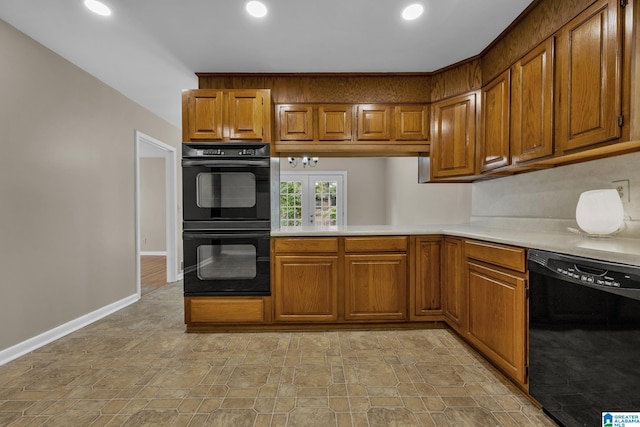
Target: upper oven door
[(226, 189)]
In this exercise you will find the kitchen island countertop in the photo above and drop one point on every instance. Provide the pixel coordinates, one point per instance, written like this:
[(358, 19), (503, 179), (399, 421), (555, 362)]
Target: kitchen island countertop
[(624, 250)]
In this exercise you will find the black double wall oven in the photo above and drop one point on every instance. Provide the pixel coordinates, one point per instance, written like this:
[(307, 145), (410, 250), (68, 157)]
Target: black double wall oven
[(226, 219)]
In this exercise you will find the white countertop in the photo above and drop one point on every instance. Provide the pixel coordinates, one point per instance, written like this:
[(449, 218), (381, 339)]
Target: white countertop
[(614, 249)]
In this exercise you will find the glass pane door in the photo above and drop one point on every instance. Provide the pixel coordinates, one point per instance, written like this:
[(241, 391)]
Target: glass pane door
[(312, 199)]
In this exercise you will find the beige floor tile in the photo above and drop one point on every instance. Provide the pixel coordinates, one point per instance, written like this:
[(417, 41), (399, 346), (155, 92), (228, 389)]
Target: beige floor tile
[(138, 367)]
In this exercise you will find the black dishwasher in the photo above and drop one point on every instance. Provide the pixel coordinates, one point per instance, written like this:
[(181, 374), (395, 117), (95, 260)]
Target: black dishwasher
[(584, 337)]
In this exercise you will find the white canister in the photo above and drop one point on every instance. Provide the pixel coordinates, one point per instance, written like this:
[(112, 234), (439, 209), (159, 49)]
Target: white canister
[(600, 212)]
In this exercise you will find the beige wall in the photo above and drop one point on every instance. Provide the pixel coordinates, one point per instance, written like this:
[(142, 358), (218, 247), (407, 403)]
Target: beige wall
[(411, 203), (152, 205), (554, 193), (67, 210)]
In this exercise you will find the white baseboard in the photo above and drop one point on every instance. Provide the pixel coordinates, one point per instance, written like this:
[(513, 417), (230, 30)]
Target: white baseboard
[(154, 253), (49, 336)]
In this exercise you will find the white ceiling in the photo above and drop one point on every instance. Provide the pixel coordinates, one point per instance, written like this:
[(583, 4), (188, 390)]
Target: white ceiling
[(149, 50)]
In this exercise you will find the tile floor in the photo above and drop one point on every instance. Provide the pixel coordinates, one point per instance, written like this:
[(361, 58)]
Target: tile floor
[(138, 367)]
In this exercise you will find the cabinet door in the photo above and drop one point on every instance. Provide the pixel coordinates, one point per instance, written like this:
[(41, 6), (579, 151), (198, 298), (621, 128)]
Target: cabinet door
[(426, 296), (306, 288), (454, 137), (202, 115), (246, 114), (295, 122), (374, 122), (497, 318), (494, 144), (454, 298), (375, 287), (532, 104), (411, 122), (334, 122), (588, 51)]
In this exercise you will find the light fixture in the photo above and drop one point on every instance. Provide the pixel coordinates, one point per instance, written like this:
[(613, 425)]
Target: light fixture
[(97, 7), (256, 9), (413, 11), (312, 162)]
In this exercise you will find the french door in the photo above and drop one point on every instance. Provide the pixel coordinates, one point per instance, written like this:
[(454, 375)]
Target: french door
[(312, 199)]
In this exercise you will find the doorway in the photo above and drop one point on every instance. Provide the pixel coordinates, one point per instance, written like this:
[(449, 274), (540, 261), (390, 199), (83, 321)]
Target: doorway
[(147, 147)]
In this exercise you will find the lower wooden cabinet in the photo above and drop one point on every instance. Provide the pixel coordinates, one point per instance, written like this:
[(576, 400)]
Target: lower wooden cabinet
[(497, 305), (226, 310), (306, 288), (454, 301), (425, 299), (375, 287)]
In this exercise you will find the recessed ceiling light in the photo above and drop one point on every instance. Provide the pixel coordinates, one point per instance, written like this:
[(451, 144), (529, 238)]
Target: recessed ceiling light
[(256, 9), (97, 7), (413, 11)]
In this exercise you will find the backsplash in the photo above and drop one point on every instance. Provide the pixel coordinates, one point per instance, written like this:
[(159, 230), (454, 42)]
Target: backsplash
[(554, 193)]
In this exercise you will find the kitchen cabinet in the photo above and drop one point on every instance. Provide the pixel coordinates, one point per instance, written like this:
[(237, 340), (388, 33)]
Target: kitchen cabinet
[(425, 298), (588, 83), (497, 305), (374, 122), (305, 287), (532, 104), (411, 122), (203, 311), (334, 122), (453, 135), (352, 129), (494, 144), (210, 115), (375, 278), (454, 296), (295, 122)]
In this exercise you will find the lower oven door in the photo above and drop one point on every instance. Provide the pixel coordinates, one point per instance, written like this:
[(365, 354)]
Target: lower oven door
[(226, 263)]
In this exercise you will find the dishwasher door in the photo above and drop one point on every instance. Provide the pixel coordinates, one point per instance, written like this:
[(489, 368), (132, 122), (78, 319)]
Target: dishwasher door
[(584, 337)]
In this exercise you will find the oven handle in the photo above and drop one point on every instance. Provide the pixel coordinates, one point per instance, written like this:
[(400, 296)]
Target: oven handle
[(261, 163), (241, 235)]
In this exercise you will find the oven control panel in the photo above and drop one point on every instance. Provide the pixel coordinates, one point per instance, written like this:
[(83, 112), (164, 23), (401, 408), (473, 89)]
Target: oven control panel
[(226, 150)]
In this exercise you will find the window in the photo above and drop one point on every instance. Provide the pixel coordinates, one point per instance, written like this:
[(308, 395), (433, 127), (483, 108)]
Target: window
[(312, 199)]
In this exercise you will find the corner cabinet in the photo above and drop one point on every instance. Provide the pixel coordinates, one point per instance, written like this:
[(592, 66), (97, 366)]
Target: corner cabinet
[(210, 115), (453, 142), (497, 305), (454, 301), (425, 299), (588, 87)]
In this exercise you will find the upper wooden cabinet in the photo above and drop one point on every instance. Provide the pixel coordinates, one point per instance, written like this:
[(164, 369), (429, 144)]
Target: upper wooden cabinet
[(296, 123), (532, 104), (494, 144), (454, 137), (588, 83), (374, 122), (334, 122), (376, 129), (411, 122), (230, 115)]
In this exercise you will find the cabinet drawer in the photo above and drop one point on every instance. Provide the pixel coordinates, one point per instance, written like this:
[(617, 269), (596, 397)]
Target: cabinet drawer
[(224, 310), (375, 244), (310, 244), (509, 257)]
